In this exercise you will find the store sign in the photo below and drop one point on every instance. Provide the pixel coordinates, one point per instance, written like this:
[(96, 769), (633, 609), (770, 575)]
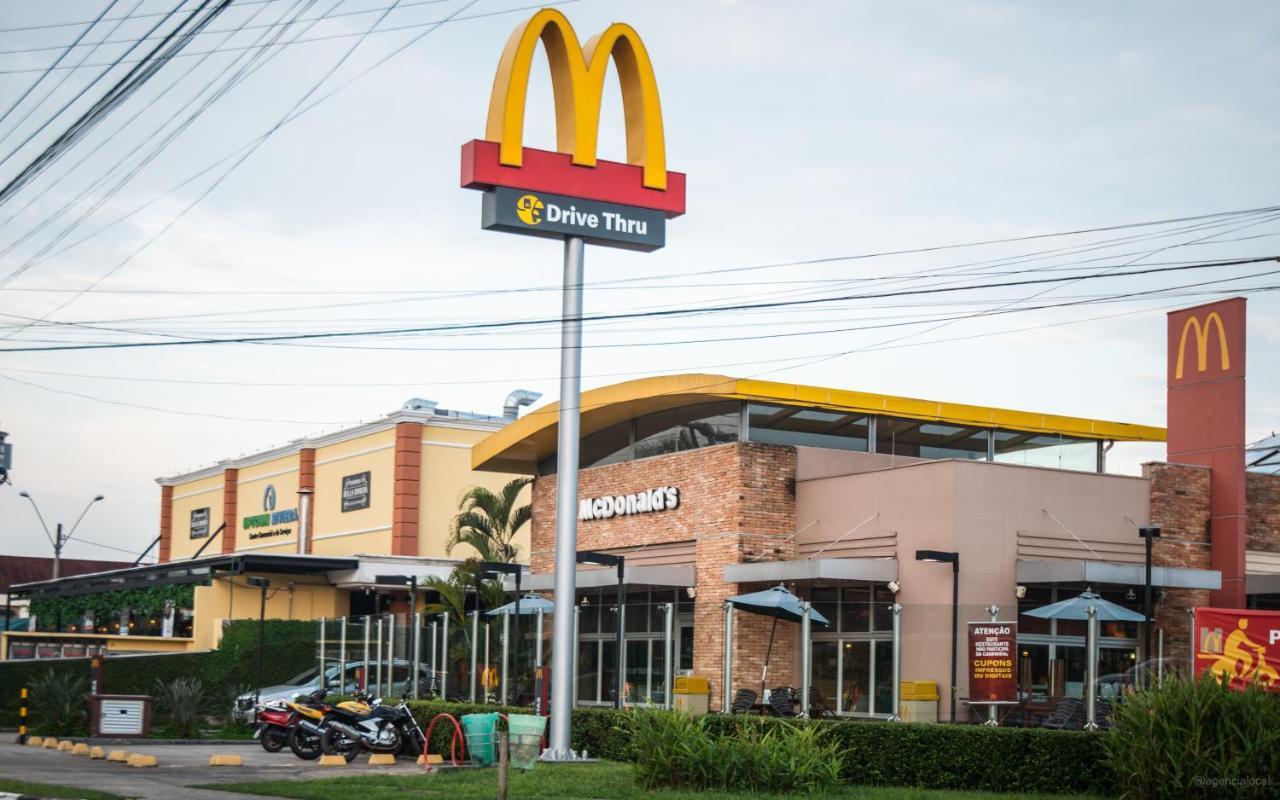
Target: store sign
[(355, 491), (555, 216), (1239, 647), (663, 498), (270, 523), (992, 650), (199, 522)]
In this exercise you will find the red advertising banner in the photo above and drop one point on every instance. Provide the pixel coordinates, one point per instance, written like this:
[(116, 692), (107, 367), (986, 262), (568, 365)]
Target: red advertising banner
[(1239, 646), (993, 648)]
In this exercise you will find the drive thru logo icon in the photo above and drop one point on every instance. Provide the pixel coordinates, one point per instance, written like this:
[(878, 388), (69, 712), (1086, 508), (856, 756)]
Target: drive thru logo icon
[(529, 209)]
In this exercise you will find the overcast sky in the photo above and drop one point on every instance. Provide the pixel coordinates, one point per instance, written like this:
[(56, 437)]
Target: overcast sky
[(808, 130)]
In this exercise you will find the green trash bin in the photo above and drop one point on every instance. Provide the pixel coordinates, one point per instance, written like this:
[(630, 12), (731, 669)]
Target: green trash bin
[(525, 732), (481, 731)]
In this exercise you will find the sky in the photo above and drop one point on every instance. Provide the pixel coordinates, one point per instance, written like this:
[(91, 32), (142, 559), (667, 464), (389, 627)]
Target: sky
[(812, 133)]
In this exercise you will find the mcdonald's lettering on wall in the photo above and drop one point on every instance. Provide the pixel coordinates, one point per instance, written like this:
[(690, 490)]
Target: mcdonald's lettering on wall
[(633, 190)]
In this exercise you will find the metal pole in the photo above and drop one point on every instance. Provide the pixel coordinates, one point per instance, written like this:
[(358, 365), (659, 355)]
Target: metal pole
[(444, 673), (897, 663), (668, 643), (1191, 644), (57, 552), (577, 617), (475, 649), (955, 630), (1143, 680), (320, 656), (417, 655), (622, 657), (364, 672), (516, 633), (537, 666), (377, 684), (993, 720), (435, 654), (342, 654), (262, 635), (506, 653), (566, 501), (485, 685), (1091, 671), (391, 656), (1160, 657), (727, 707), (806, 659)]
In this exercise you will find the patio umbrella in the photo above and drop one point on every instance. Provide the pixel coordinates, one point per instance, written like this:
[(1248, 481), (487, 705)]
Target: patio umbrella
[(529, 604), (778, 603), (1088, 606)]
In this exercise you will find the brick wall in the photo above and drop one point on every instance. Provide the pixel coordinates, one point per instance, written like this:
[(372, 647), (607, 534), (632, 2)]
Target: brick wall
[(407, 492), (1180, 507), (166, 523), (737, 504), (230, 491), (1262, 497)]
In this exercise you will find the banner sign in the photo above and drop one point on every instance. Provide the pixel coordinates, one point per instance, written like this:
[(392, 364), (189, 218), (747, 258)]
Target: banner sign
[(556, 216), (1239, 646), (355, 491), (993, 648), (199, 522)]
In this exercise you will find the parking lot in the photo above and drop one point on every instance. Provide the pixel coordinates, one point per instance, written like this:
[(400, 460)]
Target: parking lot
[(178, 768)]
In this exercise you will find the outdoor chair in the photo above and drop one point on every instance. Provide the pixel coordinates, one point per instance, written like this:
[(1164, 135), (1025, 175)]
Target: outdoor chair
[(1064, 714), (818, 708), (781, 702), (743, 700)]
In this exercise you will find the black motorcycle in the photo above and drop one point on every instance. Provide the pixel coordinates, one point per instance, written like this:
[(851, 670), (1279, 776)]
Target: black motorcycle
[(385, 729)]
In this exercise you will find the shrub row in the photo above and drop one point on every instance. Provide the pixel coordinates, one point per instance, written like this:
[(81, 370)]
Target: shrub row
[(225, 672), (968, 757)]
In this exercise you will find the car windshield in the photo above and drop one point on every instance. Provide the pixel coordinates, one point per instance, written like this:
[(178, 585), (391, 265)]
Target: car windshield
[(305, 677)]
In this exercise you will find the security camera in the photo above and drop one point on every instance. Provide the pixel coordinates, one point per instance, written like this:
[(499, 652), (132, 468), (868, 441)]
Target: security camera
[(691, 591), (1021, 591), (894, 586)]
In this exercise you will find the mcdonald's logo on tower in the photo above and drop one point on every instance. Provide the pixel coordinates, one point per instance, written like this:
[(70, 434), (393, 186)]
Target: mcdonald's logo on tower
[(604, 202)]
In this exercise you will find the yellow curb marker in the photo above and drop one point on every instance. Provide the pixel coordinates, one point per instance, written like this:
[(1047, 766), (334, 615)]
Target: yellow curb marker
[(334, 760), (430, 758), (139, 760), (35, 741), (118, 755), (50, 743), (382, 760), (65, 747), (96, 752), (81, 749), (225, 760)]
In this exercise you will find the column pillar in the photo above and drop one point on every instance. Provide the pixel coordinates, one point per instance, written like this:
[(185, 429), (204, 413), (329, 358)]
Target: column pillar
[(230, 508), (166, 523), (406, 499)]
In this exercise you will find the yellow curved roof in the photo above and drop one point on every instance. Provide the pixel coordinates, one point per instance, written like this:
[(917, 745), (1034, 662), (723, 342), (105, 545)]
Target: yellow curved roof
[(519, 446)]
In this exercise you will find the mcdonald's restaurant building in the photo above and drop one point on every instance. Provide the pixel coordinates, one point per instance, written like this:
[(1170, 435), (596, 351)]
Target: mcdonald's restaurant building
[(711, 486)]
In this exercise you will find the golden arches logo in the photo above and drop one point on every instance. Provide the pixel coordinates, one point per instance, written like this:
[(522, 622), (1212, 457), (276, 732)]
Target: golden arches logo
[(529, 209), (1202, 343), (577, 81)]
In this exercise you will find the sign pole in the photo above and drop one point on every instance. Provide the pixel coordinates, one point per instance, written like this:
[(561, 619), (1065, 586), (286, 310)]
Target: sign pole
[(566, 502), (992, 720)]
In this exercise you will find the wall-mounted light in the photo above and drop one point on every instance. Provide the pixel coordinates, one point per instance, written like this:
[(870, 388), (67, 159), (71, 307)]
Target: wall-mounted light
[(692, 591), (894, 586), (1020, 591)]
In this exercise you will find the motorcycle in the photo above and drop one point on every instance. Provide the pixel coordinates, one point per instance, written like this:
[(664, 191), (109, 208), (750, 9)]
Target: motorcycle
[(271, 726), (301, 735), (382, 729)]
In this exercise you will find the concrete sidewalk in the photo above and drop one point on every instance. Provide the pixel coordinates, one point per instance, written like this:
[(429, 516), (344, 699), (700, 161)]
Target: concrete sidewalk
[(180, 767)]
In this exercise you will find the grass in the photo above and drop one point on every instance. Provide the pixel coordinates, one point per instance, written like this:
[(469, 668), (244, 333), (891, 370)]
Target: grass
[(49, 790), (557, 782)]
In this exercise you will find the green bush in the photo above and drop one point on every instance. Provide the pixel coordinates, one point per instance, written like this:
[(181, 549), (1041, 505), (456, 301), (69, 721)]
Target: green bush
[(180, 701), (58, 702), (1196, 740), (683, 751)]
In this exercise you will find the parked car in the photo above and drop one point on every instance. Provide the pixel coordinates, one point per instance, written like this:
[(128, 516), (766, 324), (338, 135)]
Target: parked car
[(1116, 684), (355, 679)]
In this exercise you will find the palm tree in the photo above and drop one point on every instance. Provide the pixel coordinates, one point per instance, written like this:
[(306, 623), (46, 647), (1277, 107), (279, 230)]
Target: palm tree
[(488, 522)]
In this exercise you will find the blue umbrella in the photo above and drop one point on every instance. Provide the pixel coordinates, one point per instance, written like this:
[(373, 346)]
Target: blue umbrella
[(1078, 608), (529, 604), (778, 603)]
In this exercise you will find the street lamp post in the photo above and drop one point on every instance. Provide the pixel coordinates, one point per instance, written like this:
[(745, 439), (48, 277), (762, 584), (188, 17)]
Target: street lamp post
[(947, 557), (1149, 534), (57, 539), (262, 584)]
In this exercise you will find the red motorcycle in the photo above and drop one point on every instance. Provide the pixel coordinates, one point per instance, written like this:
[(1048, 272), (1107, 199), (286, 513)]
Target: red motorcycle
[(271, 726)]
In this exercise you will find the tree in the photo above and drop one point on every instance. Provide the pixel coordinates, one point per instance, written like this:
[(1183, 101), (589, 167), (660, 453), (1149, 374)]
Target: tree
[(488, 522)]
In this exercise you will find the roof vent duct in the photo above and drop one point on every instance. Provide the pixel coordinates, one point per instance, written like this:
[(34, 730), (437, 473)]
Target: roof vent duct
[(520, 397), (419, 404)]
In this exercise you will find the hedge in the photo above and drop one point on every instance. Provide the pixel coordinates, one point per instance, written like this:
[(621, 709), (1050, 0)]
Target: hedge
[(970, 757), (291, 648)]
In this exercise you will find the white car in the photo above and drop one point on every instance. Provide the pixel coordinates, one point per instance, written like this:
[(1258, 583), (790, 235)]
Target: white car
[(397, 683)]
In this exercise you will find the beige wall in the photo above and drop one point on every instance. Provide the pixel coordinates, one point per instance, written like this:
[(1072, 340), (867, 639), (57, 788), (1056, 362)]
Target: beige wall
[(206, 492), (988, 512), (366, 530), (282, 473), (299, 597), (446, 476)]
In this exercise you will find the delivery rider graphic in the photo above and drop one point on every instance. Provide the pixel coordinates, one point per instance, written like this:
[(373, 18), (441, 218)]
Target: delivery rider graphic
[(1243, 659)]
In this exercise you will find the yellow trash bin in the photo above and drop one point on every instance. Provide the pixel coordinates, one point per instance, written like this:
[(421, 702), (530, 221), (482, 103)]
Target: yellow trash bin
[(918, 701), (691, 693)]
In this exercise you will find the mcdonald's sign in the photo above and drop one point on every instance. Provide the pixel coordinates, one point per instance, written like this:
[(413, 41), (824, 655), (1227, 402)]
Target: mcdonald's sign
[(618, 196), (1206, 342)]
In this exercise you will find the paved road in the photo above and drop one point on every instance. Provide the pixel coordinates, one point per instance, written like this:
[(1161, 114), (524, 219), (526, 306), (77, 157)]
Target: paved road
[(180, 766)]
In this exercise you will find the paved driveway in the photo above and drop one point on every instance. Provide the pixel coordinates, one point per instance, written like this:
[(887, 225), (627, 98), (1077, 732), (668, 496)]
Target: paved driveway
[(180, 766)]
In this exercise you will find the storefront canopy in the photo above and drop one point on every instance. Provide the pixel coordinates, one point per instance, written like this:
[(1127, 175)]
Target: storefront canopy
[(1093, 573), (529, 604), (875, 570)]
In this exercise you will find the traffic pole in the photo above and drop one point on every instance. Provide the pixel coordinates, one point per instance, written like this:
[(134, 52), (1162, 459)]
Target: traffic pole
[(22, 715)]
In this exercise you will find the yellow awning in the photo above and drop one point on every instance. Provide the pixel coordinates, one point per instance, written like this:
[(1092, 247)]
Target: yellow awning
[(521, 445)]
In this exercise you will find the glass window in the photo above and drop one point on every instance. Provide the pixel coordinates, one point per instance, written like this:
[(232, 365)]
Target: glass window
[(686, 647), (1046, 450), (774, 424), (637, 615), (856, 683), (657, 672), (855, 609), (687, 428), (608, 446), (826, 675), (1037, 597), (637, 671), (608, 671), (589, 616), (882, 609), (883, 678), (588, 671), (920, 439), (826, 602), (1033, 670)]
